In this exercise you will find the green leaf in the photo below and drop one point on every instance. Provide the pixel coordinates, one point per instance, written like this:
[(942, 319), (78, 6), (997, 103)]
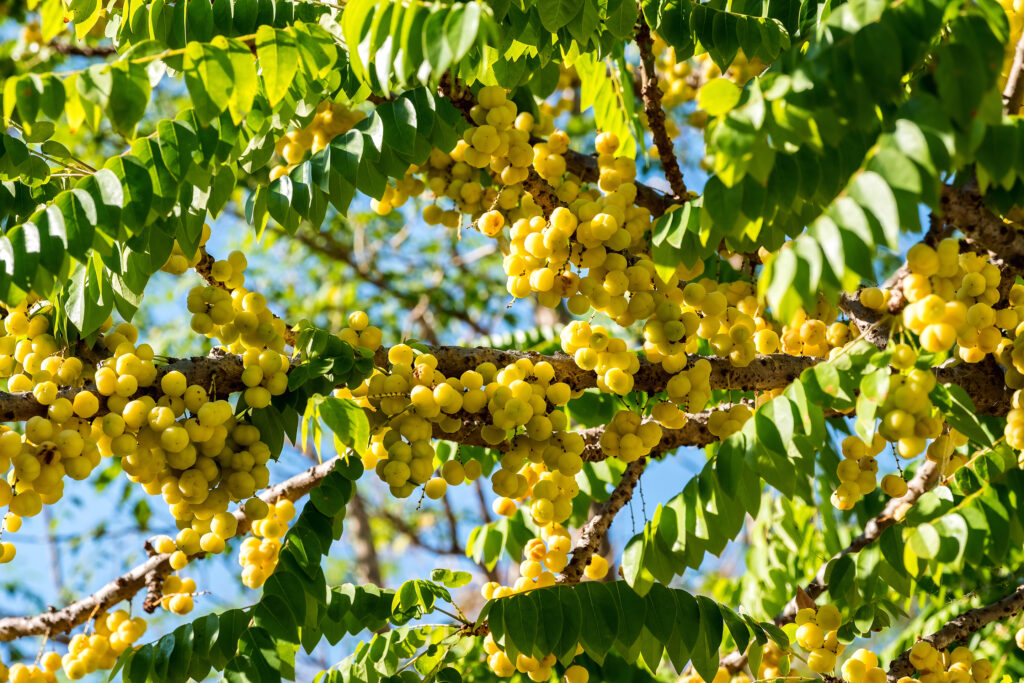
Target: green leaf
[(348, 422), (129, 95), (705, 653), (718, 96), (209, 77), (600, 625), (554, 14), (137, 190), (279, 61), (924, 541)]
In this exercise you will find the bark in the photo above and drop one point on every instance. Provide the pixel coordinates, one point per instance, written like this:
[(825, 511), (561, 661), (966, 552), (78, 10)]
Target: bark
[(960, 629), (651, 95), (594, 531)]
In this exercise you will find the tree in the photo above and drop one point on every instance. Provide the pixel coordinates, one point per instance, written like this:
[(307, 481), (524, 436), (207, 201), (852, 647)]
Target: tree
[(834, 322)]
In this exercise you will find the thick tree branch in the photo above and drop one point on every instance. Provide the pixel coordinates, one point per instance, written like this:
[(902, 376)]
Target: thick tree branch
[(964, 209), (961, 628), (651, 95), (133, 581), (764, 372), (593, 532)]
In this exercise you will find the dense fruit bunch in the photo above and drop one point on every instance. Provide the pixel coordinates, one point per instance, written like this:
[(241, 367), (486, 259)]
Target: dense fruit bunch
[(258, 554), (958, 666), (627, 437), (535, 669), (178, 594), (857, 472), (331, 119), (862, 667), (113, 634), (817, 632), (238, 318), (951, 297), (595, 349)]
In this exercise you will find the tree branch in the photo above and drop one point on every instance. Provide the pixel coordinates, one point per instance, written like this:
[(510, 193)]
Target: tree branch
[(1013, 95), (964, 209), (133, 581), (895, 511), (651, 94), (961, 628), (325, 243), (593, 532), (82, 50)]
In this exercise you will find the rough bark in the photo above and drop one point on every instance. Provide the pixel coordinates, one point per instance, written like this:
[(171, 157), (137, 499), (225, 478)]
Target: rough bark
[(961, 628), (594, 531), (651, 95), (964, 208)]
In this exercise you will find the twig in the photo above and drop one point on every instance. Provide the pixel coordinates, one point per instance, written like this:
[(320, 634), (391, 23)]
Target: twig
[(326, 244), (82, 50), (453, 524), (368, 564)]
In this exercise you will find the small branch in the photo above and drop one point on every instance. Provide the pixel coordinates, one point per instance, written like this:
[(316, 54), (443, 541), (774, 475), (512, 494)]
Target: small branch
[(895, 511), (82, 50), (655, 114), (54, 548), (328, 245), (961, 628), (593, 532), (133, 581), (1013, 95), (453, 525), (485, 511)]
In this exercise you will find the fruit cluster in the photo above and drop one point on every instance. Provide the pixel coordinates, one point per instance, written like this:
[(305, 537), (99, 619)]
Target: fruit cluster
[(178, 594), (951, 297), (817, 632), (628, 437), (331, 119), (534, 669), (959, 665), (113, 634), (238, 318), (258, 554)]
